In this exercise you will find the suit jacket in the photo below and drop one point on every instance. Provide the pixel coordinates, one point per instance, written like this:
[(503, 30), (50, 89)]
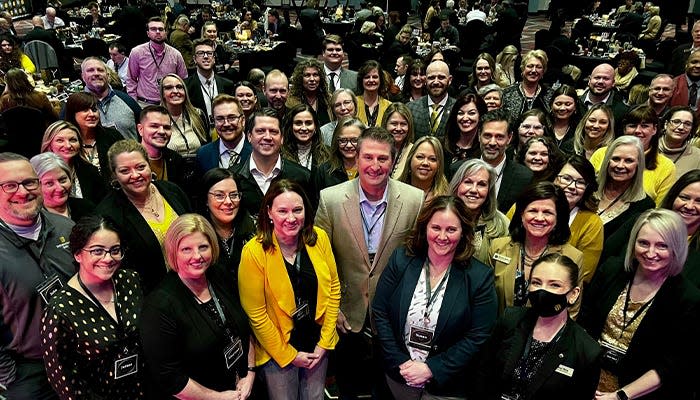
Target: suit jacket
[(504, 257), (498, 359), (421, 116), (681, 93), (666, 338), (467, 314), (267, 297), (194, 89), (679, 57), (144, 253), (92, 184), (208, 156), (252, 195), (339, 215), (514, 179), (348, 79)]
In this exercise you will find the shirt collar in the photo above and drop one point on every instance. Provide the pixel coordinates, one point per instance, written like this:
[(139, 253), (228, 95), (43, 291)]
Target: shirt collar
[(253, 167), (588, 100), (442, 103), (203, 80), (239, 147), (363, 196), (328, 71)]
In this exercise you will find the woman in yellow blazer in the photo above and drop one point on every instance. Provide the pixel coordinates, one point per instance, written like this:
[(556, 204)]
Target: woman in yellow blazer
[(372, 103), (540, 226), (289, 288)]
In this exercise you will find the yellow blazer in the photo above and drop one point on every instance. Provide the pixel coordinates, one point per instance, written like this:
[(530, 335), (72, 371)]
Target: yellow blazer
[(502, 250), (362, 116), (268, 298)]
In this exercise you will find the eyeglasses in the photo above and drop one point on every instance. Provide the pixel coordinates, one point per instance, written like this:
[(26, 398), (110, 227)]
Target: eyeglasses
[(567, 180), (346, 141), (173, 87), (116, 252), (344, 103), (12, 186), (678, 122), (204, 54), (156, 29), (231, 119), (221, 196)]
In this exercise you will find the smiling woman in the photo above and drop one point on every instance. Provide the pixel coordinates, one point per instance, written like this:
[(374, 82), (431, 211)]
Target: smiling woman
[(302, 138)]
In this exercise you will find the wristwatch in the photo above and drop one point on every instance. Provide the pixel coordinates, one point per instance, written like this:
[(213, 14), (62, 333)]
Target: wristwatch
[(621, 395)]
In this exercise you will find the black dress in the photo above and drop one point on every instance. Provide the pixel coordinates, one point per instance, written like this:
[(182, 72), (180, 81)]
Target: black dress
[(81, 343)]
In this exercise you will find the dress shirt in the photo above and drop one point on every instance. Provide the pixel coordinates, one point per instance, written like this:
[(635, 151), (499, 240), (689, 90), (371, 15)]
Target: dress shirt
[(327, 71), (57, 23), (589, 103), (372, 219), (122, 70), (209, 92), (261, 179), (145, 73), (499, 172), (225, 156)]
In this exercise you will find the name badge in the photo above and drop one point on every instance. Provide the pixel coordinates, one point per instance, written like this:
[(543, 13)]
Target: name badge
[(126, 366), (612, 355), (302, 311), (49, 287), (564, 370), (233, 353), (501, 258), (508, 397), (420, 338)]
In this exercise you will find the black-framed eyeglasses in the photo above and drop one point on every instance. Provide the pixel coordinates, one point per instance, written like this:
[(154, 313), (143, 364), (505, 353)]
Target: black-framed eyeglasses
[(156, 29), (204, 53), (116, 252), (13, 186), (231, 119), (221, 196), (345, 141), (567, 180), (678, 122)]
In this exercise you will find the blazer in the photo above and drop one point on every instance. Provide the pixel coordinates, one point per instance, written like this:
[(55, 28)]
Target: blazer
[(339, 215), (467, 314), (575, 349), (421, 116), (208, 156), (267, 297), (383, 104), (194, 90), (514, 178), (666, 338), (92, 183), (505, 249), (104, 139), (144, 253), (587, 237), (348, 79), (681, 92), (252, 195)]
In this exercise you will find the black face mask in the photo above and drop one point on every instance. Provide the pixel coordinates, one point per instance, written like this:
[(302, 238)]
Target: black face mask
[(547, 304)]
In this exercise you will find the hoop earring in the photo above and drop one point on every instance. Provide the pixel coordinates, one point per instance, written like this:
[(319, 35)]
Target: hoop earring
[(154, 176), (114, 184)]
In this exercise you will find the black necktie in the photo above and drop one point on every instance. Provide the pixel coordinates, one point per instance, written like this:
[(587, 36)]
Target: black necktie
[(331, 81), (693, 96)]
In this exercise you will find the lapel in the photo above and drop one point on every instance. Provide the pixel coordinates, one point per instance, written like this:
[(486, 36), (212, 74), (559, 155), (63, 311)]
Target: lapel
[(139, 225), (551, 361), (506, 181), (391, 218), (513, 251), (446, 114), (412, 273), (196, 96), (276, 275), (517, 346), (454, 292), (426, 116), (351, 206)]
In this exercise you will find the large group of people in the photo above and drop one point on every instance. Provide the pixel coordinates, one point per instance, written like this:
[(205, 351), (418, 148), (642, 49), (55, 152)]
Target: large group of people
[(182, 236)]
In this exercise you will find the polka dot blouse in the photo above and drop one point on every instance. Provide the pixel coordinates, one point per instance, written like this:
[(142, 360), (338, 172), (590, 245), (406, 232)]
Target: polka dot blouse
[(81, 345)]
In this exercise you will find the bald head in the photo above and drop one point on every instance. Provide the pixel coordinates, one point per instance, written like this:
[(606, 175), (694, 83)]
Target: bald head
[(438, 80), (602, 80)]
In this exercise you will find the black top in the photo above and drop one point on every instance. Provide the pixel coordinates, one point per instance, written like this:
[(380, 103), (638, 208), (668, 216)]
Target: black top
[(631, 213), (92, 184), (322, 176), (306, 332), (80, 208), (231, 248)]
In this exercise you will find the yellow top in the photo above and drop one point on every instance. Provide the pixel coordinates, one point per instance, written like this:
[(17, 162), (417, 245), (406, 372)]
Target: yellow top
[(159, 228)]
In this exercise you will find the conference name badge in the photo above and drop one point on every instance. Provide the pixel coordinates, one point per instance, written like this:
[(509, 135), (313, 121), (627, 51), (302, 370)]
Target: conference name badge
[(564, 370), (501, 258)]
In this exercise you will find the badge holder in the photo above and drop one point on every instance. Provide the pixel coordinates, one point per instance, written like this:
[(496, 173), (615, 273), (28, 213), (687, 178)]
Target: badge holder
[(233, 352), (420, 337), (612, 355), (49, 287), (302, 311), (126, 366)]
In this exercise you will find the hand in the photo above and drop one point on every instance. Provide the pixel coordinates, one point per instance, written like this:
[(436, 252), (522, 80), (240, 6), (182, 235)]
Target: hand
[(190, 31), (415, 372), (245, 385), (304, 360), (605, 395), (229, 395), (342, 324), (320, 352)]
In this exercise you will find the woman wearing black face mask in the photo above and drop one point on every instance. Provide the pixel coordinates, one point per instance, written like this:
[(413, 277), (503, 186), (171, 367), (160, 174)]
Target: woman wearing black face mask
[(539, 352)]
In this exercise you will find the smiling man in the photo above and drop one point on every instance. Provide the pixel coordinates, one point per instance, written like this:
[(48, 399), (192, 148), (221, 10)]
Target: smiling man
[(601, 89), (155, 129), (34, 264), (116, 108), (337, 76), (686, 90), (205, 85), (430, 113), (660, 92)]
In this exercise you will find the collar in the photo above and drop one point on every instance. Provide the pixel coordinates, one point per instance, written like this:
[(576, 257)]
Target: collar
[(328, 70), (442, 103), (588, 100), (238, 148), (110, 94), (203, 80), (254, 167), (363, 196), (690, 81), (498, 168)]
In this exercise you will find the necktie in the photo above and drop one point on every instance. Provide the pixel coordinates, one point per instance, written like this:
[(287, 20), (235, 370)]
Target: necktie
[(331, 81), (693, 95), (233, 158), (435, 118)]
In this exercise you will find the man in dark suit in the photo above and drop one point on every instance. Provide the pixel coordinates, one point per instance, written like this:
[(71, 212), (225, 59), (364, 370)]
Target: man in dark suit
[(430, 113), (230, 148), (336, 76), (48, 36), (204, 85), (680, 54), (601, 89), (265, 163), (276, 27), (155, 129)]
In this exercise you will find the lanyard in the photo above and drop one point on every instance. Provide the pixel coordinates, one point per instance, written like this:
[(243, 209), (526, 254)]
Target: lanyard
[(611, 204), (220, 311), (153, 56), (370, 229), (210, 94), (120, 333), (430, 296), (183, 118), (636, 315)]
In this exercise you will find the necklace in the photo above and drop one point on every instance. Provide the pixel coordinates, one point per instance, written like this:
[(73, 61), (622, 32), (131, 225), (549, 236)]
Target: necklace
[(151, 204)]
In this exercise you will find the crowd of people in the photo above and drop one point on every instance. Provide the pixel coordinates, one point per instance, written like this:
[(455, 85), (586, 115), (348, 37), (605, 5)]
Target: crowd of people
[(179, 235)]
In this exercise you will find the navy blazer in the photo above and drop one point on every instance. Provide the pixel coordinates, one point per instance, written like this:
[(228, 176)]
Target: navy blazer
[(665, 340), (143, 251), (498, 358), (208, 156), (467, 314)]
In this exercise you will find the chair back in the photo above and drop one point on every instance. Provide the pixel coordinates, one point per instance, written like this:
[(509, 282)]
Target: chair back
[(25, 128), (42, 54)]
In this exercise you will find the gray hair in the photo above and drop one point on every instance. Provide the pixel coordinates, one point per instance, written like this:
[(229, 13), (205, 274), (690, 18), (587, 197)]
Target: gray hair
[(47, 162), (670, 226), (491, 87), (489, 208), (635, 191), (349, 92)]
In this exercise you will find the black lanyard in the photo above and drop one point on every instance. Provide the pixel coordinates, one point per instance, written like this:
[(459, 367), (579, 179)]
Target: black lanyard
[(185, 121), (220, 311), (430, 296), (210, 94), (611, 204), (636, 315), (153, 56), (368, 228), (120, 332)]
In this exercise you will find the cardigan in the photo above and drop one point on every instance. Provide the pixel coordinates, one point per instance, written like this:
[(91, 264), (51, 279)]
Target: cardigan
[(666, 338), (267, 297), (686, 160), (382, 105), (575, 350), (587, 237), (467, 314)]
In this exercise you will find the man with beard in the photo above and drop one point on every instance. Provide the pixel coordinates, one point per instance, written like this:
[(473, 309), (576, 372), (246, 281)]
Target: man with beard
[(205, 85), (265, 164), (230, 148), (34, 263), (276, 92), (150, 62), (686, 91), (117, 109), (660, 93), (336, 76), (601, 89), (430, 112), (155, 129)]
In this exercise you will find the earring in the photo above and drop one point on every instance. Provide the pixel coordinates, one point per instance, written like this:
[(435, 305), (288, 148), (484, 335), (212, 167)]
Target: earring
[(154, 176), (114, 184)]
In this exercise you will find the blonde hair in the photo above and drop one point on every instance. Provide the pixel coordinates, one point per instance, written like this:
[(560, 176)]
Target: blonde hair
[(53, 130), (635, 192), (182, 227), (440, 186)]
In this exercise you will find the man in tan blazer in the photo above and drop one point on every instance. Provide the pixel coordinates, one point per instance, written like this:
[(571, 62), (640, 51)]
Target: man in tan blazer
[(366, 219)]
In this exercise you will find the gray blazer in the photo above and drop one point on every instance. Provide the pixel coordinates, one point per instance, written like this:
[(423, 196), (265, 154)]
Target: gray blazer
[(421, 116), (348, 79)]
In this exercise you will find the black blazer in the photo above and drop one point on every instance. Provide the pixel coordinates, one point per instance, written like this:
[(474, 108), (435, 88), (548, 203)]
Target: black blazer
[(80, 208), (253, 196), (666, 339), (321, 178), (143, 251), (499, 357), (104, 139), (208, 156), (631, 213), (466, 317), (194, 90), (514, 179), (92, 183)]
